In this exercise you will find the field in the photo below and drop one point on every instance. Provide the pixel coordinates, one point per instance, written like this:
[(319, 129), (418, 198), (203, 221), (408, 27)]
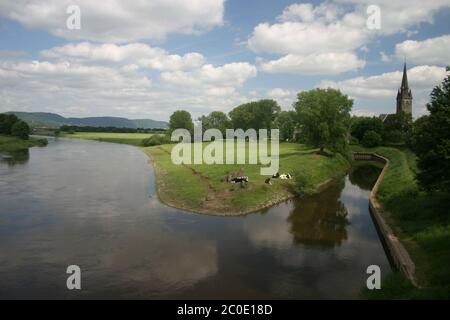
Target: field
[(203, 188), (11, 144), (124, 138), (422, 222)]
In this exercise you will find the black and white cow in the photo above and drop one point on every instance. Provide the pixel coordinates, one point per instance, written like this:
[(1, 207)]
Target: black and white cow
[(239, 179), (283, 176)]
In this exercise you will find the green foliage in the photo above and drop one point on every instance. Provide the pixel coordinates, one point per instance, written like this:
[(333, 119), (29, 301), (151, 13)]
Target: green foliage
[(285, 122), (422, 222), (360, 125), (21, 130), (398, 127), (13, 144), (353, 141), (216, 120), (181, 119), (303, 183), (371, 139), (255, 115), (324, 116), (6, 123), (431, 141), (156, 140)]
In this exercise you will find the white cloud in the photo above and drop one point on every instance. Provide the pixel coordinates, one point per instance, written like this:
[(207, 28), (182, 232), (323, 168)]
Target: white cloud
[(400, 15), (325, 63), (232, 74), (284, 97), (83, 87), (385, 57), (119, 20), (333, 31), (421, 80), (134, 53), (429, 51)]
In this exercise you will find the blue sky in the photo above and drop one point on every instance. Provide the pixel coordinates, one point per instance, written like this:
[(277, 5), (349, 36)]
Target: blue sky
[(147, 60)]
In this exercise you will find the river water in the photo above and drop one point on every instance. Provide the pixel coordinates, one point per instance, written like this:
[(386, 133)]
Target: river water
[(94, 205)]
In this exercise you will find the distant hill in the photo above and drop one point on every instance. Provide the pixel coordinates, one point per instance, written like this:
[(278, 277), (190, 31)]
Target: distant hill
[(53, 120)]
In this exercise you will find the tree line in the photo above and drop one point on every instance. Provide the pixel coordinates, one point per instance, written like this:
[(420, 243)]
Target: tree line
[(72, 128)]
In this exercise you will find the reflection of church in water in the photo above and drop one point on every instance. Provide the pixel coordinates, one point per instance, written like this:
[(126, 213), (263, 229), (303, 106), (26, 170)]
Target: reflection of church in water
[(404, 98)]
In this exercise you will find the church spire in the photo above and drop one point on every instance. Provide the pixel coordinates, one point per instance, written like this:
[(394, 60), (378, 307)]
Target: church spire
[(404, 96), (404, 85)]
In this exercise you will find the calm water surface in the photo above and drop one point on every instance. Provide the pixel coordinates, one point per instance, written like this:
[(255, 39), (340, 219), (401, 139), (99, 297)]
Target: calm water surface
[(94, 205)]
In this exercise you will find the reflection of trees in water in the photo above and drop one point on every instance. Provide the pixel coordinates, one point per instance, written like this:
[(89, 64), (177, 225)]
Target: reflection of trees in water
[(365, 176), (15, 158), (320, 220)]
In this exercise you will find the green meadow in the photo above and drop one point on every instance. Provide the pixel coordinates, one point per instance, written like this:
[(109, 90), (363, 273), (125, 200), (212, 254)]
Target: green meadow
[(134, 139), (203, 188), (11, 144)]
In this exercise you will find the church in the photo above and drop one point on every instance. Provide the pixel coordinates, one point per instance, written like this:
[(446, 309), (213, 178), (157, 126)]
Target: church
[(404, 98)]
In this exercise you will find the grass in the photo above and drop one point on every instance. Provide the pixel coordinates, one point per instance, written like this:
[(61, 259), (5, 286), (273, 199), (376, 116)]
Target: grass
[(202, 188), (11, 144), (422, 222), (134, 139)]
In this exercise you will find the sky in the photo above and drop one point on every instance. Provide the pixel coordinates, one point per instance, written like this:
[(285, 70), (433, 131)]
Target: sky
[(146, 59)]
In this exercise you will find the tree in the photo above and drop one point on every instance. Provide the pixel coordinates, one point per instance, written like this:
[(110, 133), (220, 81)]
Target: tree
[(180, 119), (21, 130), (285, 122), (431, 140), (324, 117), (6, 123), (371, 139), (216, 120), (397, 127), (360, 125), (256, 115)]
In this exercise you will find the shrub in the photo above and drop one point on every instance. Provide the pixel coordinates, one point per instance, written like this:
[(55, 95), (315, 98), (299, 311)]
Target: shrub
[(156, 140), (353, 141), (21, 130), (302, 183), (371, 139)]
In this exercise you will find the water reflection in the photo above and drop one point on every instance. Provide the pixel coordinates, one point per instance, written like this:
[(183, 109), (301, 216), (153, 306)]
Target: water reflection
[(320, 220), (365, 175), (15, 158), (93, 204)]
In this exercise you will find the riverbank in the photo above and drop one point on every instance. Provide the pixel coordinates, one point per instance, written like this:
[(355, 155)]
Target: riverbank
[(135, 139), (12, 144), (203, 189), (421, 222)]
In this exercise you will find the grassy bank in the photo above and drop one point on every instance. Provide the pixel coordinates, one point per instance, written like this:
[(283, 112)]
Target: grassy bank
[(422, 222), (134, 139), (201, 188), (11, 144)]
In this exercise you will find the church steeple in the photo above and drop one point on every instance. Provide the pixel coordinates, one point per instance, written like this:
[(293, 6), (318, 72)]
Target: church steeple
[(405, 79), (404, 95)]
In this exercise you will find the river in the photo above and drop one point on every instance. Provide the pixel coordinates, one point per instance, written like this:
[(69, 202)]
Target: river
[(94, 205)]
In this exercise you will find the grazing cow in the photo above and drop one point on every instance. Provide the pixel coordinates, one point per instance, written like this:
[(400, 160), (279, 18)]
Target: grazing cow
[(276, 175), (239, 179), (285, 176), (267, 181)]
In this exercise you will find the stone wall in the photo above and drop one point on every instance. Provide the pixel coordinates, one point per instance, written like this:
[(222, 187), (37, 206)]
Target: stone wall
[(396, 251)]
